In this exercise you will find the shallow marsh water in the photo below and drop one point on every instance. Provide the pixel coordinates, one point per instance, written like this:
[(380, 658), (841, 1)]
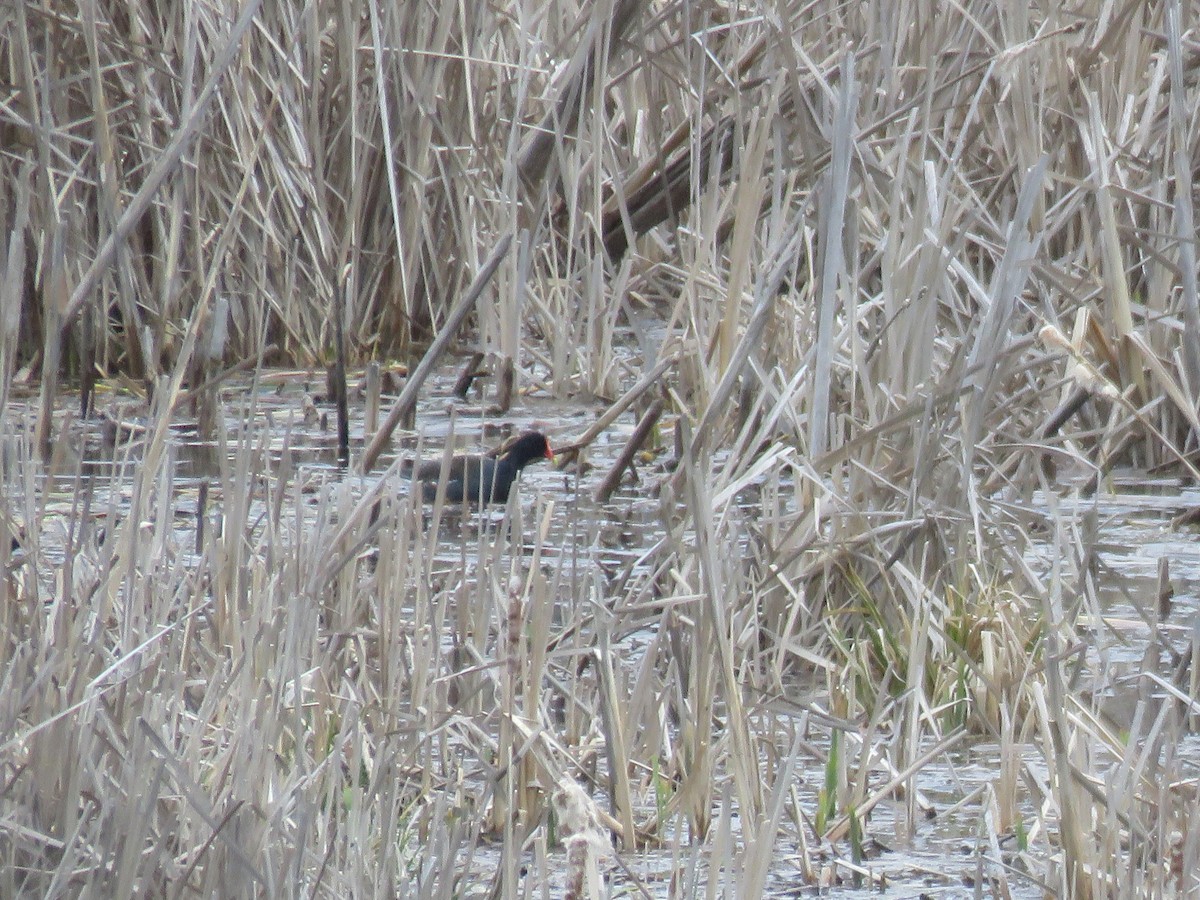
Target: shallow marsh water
[(934, 856)]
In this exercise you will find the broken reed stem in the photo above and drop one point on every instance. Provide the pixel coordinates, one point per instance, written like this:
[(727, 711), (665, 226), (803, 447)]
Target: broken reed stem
[(407, 401), (597, 428), (470, 371), (341, 391), (644, 427)]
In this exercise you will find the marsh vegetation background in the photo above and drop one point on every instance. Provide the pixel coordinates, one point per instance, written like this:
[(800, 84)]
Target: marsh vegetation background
[(898, 277)]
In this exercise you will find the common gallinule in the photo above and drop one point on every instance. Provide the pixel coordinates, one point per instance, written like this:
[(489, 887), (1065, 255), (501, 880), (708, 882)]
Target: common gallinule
[(475, 478)]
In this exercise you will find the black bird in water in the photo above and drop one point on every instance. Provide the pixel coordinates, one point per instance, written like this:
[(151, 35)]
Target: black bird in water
[(475, 478)]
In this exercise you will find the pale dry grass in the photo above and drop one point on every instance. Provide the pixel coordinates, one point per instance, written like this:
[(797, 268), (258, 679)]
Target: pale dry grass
[(891, 267)]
